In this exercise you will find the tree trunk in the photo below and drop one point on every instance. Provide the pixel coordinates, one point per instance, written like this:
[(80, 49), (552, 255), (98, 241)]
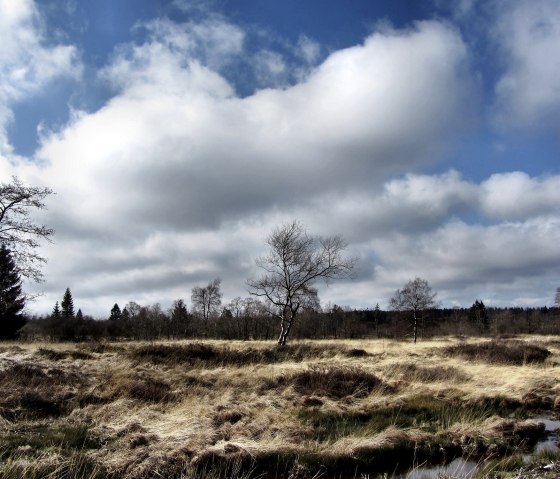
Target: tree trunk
[(286, 326), (415, 327)]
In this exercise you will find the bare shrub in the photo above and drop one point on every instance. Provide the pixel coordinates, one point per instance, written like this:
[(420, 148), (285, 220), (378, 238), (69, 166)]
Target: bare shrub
[(412, 372), (223, 416), (30, 391), (196, 353), (59, 355), (500, 352), (51, 354), (30, 375), (334, 382), (357, 353), (149, 390)]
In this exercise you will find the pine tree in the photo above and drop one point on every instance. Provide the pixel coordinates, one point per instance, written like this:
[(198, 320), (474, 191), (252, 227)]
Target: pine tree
[(12, 300), (115, 312), (79, 315), (67, 305), (56, 311), (479, 315)]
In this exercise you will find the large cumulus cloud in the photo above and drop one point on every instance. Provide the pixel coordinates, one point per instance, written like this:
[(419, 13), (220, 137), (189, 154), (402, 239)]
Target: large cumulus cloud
[(178, 178)]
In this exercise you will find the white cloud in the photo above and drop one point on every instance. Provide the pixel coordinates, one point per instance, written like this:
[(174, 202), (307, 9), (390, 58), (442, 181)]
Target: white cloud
[(527, 94), (516, 195), (175, 153), (176, 180), (308, 49), (270, 68), (27, 62)]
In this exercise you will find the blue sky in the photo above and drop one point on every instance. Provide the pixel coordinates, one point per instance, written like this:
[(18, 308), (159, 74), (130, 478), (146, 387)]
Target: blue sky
[(178, 133)]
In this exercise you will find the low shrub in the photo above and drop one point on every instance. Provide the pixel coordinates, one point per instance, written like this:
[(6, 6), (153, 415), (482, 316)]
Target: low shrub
[(413, 372), (223, 416), (500, 352), (51, 354), (201, 353), (32, 375), (59, 355), (357, 353), (23, 373), (149, 390), (334, 382)]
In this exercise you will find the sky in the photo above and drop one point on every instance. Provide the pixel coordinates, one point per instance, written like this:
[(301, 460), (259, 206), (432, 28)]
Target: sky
[(177, 134)]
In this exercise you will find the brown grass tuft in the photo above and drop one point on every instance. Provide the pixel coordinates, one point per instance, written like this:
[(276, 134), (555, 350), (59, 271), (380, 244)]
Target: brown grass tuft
[(334, 382), (149, 390), (210, 355), (413, 372), (500, 352)]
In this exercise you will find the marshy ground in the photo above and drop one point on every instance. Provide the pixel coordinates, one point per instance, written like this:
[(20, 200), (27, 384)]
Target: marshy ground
[(248, 409)]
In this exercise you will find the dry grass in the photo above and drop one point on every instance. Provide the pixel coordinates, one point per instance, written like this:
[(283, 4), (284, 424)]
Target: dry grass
[(217, 409), (500, 352)]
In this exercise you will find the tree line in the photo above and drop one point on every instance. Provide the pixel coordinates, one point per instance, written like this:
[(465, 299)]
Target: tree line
[(284, 296), (250, 319)]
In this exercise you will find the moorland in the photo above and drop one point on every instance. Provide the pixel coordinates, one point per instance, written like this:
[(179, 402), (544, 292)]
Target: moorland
[(340, 408)]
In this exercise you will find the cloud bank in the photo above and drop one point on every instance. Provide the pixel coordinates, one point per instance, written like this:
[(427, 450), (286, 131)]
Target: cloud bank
[(178, 177)]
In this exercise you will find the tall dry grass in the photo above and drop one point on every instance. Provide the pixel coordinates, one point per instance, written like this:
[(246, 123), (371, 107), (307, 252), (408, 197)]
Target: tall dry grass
[(217, 409)]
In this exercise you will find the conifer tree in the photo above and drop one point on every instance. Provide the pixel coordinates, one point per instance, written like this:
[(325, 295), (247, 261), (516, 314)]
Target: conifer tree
[(56, 311), (115, 312), (67, 305), (79, 315), (12, 300)]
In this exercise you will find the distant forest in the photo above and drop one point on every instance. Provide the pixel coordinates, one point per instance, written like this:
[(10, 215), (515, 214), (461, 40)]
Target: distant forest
[(249, 320)]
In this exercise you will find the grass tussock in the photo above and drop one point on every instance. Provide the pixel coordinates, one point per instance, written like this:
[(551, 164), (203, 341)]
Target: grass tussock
[(149, 390), (212, 410), (30, 374), (413, 372), (59, 355), (211, 355), (44, 436), (500, 352), (77, 466), (332, 382), (30, 390)]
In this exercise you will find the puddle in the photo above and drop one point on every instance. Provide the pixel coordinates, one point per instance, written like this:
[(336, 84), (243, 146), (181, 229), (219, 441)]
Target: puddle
[(456, 468), (550, 443), (464, 469)]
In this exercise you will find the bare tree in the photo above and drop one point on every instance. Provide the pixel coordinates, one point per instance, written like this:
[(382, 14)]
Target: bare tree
[(415, 297), (557, 298), (18, 231), (207, 299), (293, 265)]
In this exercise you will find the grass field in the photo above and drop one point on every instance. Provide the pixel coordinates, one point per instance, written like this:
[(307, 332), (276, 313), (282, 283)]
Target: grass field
[(244, 409)]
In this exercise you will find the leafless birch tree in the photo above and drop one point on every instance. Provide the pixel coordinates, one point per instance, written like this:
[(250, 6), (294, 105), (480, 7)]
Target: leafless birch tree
[(295, 262), (208, 298), (415, 297), (18, 231)]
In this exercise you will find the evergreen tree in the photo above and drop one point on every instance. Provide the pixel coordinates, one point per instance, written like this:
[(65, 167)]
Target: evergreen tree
[(67, 305), (115, 312), (479, 315), (79, 315), (12, 300), (56, 311), (125, 315), (179, 319)]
